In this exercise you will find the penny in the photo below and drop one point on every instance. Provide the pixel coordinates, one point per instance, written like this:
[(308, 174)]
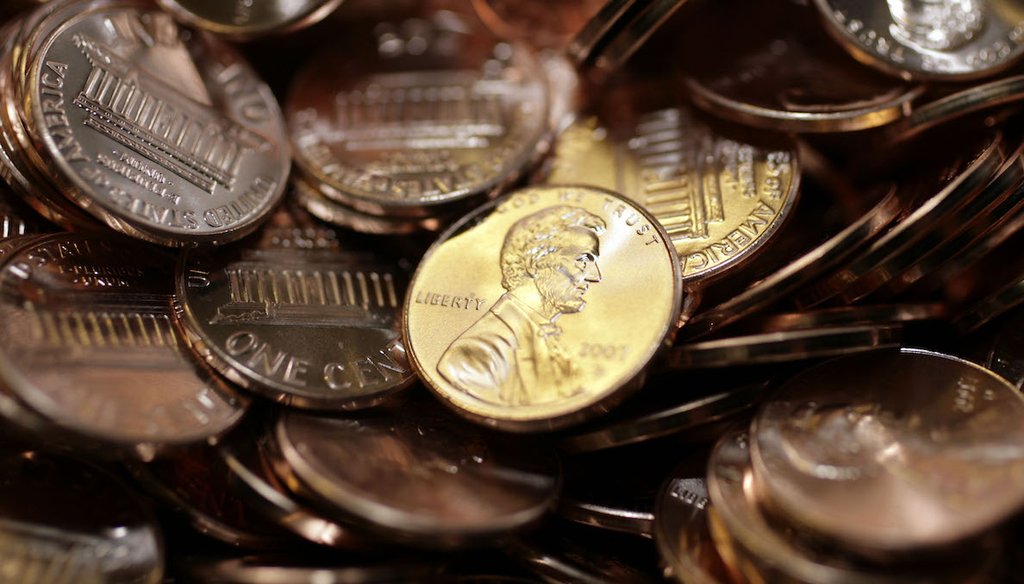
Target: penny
[(720, 196), (766, 552), (542, 24), (930, 39), (851, 315), (977, 312), (141, 144), (16, 218), (67, 520), (566, 553), (542, 308), (821, 448), (301, 316), (90, 345), (279, 569), (784, 73), (246, 20), (406, 118), (681, 529), (958, 104), (632, 35), (585, 47), (416, 473), (324, 208)]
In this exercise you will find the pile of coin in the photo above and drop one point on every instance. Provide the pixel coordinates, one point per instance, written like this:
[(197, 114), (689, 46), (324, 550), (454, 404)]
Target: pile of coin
[(573, 291)]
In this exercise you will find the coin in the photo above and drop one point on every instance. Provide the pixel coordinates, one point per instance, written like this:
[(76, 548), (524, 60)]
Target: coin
[(330, 211), (930, 39), (279, 569), (416, 473), (720, 195), (90, 345), (603, 25), (301, 316), (955, 105), (567, 553), (501, 321), (681, 529), (246, 20), (67, 520), (542, 24), (782, 72), (408, 117), (632, 35), (141, 145), (821, 448), (17, 219), (851, 315)]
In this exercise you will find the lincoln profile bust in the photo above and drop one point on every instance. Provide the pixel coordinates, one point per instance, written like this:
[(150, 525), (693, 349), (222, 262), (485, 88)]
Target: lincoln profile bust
[(513, 354)]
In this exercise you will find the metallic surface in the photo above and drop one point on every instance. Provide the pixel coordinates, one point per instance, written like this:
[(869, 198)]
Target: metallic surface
[(542, 24), (681, 530), (244, 19), (167, 136), (299, 314), (89, 344), (278, 569), (946, 40), (894, 450), (407, 116), (526, 337), (417, 472)]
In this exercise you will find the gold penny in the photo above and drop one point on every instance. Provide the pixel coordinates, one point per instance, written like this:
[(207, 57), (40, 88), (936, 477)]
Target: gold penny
[(543, 307)]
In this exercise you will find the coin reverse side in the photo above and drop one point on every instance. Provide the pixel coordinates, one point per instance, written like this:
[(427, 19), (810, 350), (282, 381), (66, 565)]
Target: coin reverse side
[(536, 309)]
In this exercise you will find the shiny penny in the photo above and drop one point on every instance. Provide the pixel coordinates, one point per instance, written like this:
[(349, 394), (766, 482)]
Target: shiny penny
[(417, 473), (165, 135), (89, 343), (298, 315), (931, 39), (410, 115), (539, 309), (893, 450)]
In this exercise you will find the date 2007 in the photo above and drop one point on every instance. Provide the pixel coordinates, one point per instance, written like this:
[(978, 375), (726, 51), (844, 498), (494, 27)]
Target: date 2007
[(601, 351)]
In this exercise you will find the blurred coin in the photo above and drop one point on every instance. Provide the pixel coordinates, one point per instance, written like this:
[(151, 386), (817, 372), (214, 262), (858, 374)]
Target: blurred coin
[(681, 529), (565, 553), (171, 137), (929, 39), (850, 315), (194, 482), (1006, 356), (279, 569), (17, 219), (628, 427), (720, 195), (768, 552), (542, 24), (501, 322), (630, 36), (67, 520), (299, 316), (324, 208), (958, 104), (408, 117), (822, 449), (249, 19), (416, 473), (777, 69), (605, 24), (782, 346), (90, 345)]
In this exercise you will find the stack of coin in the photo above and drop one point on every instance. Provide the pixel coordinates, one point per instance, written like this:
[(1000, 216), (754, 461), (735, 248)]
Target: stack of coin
[(114, 115)]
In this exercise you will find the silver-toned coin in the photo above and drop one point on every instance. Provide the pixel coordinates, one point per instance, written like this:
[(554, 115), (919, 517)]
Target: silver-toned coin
[(941, 40), (67, 520), (163, 134), (280, 569), (782, 72), (409, 117), (417, 473), (823, 450), (90, 345), (681, 529), (298, 315), (246, 20)]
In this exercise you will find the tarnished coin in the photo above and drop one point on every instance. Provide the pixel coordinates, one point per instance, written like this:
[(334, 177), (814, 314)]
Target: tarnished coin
[(929, 39), (542, 24), (246, 19), (89, 344), (417, 473), (542, 308), (719, 195), (298, 315), (763, 550), (280, 569), (893, 451), (681, 529), (777, 69), (408, 117), (66, 520), (161, 133)]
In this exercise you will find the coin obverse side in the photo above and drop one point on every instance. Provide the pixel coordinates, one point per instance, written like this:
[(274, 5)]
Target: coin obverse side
[(89, 343), (301, 318), (894, 450), (419, 114), (941, 40), (163, 133), (536, 309)]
